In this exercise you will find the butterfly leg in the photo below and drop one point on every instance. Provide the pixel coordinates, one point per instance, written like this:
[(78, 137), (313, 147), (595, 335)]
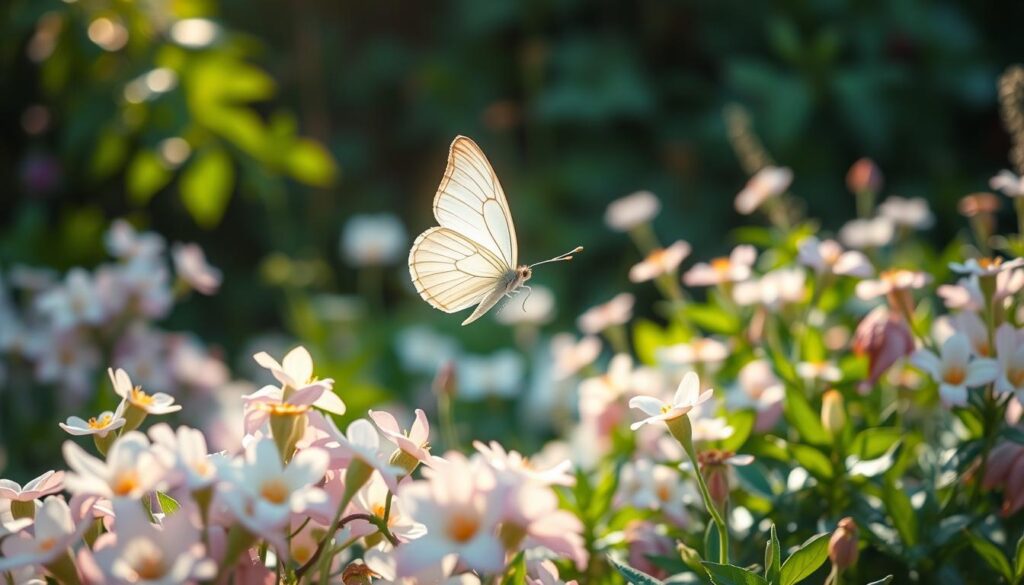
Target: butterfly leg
[(529, 290)]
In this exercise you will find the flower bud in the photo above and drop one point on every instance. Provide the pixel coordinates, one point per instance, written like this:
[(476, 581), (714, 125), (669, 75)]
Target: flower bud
[(885, 338), (833, 415), (445, 381), (287, 425), (864, 176), (357, 574), (717, 479), (842, 547)]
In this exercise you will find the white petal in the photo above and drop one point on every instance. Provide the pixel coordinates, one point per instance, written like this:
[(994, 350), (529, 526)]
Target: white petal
[(688, 390), (361, 433), (956, 351), (299, 365), (648, 404), (981, 371)]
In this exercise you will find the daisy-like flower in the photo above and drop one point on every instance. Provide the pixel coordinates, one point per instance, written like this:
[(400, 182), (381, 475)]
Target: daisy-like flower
[(261, 493), (913, 213), (373, 240), (512, 464), (1010, 356), (530, 518), (54, 532), (646, 485), (130, 469), (823, 370), (158, 403), (706, 351), (660, 261), (615, 312), (537, 309), (192, 267), (769, 182), (295, 372), (76, 301), (100, 426), (773, 290), (892, 281), (372, 499), (183, 453), (954, 370), (361, 441), (982, 267), (687, 397), (734, 268), (571, 356), (458, 506), (1009, 183), (867, 233), (141, 552), (828, 257), (46, 484), (631, 211), (415, 442)]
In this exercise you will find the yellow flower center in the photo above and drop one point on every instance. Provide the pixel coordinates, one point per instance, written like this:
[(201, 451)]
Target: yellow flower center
[(140, 398), (301, 553), (721, 265), (282, 408), (989, 263), (955, 376), (150, 567), (663, 493), (1016, 377), (462, 527), (101, 422), (125, 483), (665, 408), (274, 491), (47, 544)]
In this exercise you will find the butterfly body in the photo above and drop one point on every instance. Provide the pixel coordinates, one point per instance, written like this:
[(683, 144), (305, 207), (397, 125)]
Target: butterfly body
[(471, 257)]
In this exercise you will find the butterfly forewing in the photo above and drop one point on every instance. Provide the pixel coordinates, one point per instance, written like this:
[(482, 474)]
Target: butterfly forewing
[(470, 201), (452, 272)]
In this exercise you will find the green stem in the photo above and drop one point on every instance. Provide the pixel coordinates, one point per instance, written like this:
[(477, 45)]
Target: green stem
[(683, 432)]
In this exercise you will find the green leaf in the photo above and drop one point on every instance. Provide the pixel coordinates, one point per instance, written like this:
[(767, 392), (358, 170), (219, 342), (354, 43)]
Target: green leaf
[(904, 519), (971, 420), (516, 573), (310, 163), (991, 554), (732, 575), (146, 175), (711, 547), (1019, 560), (1014, 434), (805, 560), (713, 319), (206, 186), (805, 419), (633, 576), (168, 504), (742, 423), (772, 558), (873, 443), (109, 152), (813, 460)]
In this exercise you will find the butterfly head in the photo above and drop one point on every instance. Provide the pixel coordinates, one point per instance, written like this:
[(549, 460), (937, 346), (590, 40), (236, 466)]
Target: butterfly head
[(523, 273)]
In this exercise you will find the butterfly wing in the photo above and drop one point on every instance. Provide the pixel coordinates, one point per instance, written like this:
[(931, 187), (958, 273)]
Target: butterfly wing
[(452, 272), (471, 202)]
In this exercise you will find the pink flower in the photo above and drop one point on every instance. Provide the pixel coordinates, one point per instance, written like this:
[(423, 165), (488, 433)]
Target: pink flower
[(191, 265), (885, 338), (415, 441), (1005, 469), (632, 211), (54, 532), (295, 372), (768, 183), (617, 311), (828, 257), (734, 268), (659, 262), (48, 483)]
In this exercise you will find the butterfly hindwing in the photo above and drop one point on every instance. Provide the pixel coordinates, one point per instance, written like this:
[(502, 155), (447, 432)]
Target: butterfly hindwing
[(452, 272)]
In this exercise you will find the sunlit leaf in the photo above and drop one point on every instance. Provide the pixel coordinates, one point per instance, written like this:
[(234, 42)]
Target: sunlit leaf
[(146, 175), (206, 186), (310, 163), (732, 575), (805, 560)]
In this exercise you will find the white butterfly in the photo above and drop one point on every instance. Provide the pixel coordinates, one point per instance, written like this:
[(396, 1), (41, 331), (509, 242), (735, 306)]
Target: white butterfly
[(470, 259)]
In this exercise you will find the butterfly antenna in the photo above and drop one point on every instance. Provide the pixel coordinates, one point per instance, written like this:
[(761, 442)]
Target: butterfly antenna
[(561, 257)]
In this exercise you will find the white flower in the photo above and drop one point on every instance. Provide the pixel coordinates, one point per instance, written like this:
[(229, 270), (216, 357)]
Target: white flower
[(617, 311), (75, 302), (362, 442), (646, 485), (660, 261), (631, 211), (98, 425), (192, 267), (913, 213), (954, 370), (141, 552), (773, 290), (965, 295), (67, 358), (262, 494), (46, 484), (823, 370), (571, 356), (1006, 181), (372, 499), (735, 268), (415, 441), (54, 531), (537, 308), (686, 398), (373, 240), (124, 242), (867, 233), (512, 464), (296, 372), (985, 266), (158, 403), (1010, 356), (700, 350), (129, 471), (499, 374), (828, 257), (184, 454), (769, 182), (890, 281), (456, 503)]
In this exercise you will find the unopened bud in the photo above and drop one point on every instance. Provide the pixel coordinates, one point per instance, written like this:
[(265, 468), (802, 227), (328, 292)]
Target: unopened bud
[(445, 381), (287, 426), (833, 415), (864, 177), (357, 574), (842, 547), (717, 479), (690, 556)]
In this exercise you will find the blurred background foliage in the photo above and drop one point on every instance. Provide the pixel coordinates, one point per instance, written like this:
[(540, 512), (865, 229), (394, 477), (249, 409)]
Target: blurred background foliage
[(257, 128)]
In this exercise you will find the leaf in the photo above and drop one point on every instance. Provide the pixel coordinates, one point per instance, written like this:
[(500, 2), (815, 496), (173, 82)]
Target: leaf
[(1014, 434), (772, 557), (206, 186), (732, 575), (109, 153), (971, 420), (742, 423), (168, 504), (713, 319), (873, 443), (516, 573), (310, 163), (904, 519), (805, 560), (633, 576), (146, 175), (813, 460), (711, 546), (1019, 560), (805, 419), (991, 554)]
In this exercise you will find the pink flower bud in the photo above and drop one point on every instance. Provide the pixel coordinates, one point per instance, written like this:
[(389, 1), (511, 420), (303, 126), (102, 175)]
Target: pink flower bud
[(885, 338), (864, 176), (445, 382), (842, 547)]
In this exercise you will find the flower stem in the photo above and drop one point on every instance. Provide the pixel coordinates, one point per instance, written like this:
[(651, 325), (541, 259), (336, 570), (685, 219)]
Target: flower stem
[(683, 432)]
